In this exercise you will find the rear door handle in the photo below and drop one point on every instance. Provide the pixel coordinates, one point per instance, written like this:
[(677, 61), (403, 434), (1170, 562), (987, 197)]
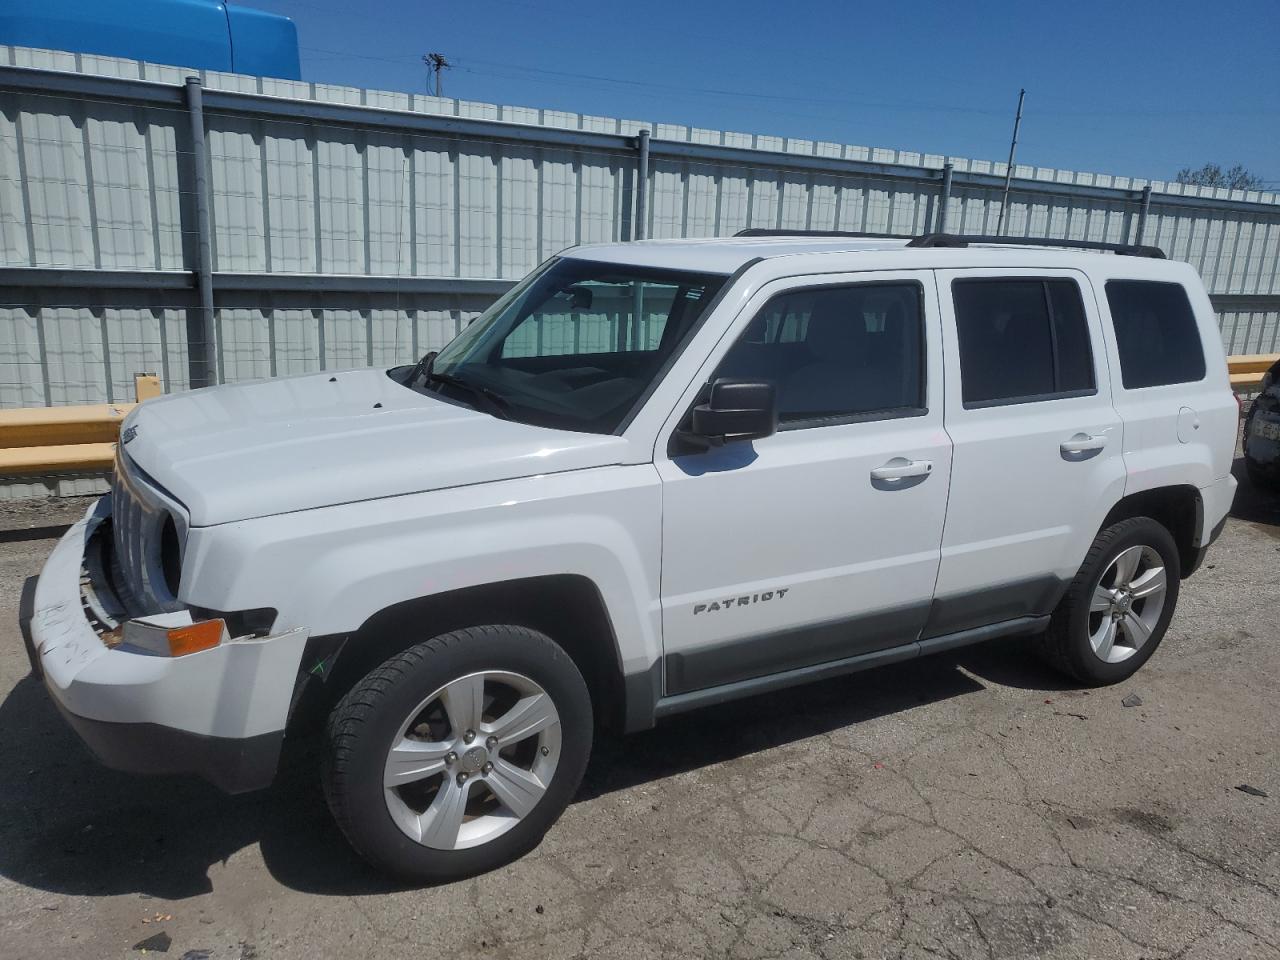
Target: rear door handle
[(900, 468), (1083, 445)]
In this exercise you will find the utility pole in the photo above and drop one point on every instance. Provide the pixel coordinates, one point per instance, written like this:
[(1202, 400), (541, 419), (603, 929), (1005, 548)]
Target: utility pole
[(1008, 174), (435, 62)]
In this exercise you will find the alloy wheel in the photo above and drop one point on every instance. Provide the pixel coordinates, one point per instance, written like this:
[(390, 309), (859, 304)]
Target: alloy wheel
[(472, 760), (1127, 603)]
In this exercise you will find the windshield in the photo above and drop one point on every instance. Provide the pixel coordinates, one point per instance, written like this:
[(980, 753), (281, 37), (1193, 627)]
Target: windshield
[(576, 345)]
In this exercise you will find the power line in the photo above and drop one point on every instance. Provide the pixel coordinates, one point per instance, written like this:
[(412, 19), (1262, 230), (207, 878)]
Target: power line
[(497, 68), (436, 63), (503, 70)]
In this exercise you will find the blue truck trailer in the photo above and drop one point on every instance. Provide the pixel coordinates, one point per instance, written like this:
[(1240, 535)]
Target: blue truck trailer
[(203, 34)]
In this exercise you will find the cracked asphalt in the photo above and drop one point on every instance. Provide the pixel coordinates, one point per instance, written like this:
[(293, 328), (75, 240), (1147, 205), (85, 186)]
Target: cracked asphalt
[(971, 805)]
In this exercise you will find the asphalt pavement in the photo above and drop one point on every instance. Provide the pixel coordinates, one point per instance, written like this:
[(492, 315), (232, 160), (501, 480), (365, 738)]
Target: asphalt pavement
[(968, 805)]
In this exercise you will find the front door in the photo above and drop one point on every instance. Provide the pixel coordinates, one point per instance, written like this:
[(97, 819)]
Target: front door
[(821, 542)]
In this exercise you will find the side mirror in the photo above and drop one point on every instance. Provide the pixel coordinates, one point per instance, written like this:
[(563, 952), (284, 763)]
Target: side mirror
[(580, 298), (735, 410)]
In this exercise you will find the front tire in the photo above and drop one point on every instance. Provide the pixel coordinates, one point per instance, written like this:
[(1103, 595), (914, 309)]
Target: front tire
[(457, 755), (1118, 607)]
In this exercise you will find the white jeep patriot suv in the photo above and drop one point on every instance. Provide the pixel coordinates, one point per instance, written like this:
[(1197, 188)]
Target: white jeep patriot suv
[(653, 476)]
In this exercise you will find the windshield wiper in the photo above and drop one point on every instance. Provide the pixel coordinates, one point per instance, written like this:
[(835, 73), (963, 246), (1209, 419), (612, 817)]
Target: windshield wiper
[(419, 368), (492, 401)]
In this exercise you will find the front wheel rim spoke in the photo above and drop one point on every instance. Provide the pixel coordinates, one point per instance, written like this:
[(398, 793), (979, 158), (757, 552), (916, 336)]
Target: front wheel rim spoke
[(1102, 599), (1151, 582), (1126, 565), (463, 701), (440, 824), (413, 760), (518, 790), (529, 716), (1105, 639), (1136, 629)]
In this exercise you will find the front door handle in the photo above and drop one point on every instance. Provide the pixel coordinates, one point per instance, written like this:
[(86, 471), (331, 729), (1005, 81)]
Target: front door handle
[(900, 468), (1082, 446)]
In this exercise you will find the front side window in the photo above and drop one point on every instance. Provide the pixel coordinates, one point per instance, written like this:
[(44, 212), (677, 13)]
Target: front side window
[(1156, 333), (1021, 340), (835, 353), (576, 345)]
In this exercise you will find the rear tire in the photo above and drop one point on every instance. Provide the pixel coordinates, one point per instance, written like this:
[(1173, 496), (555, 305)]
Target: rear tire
[(1258, 478), (457, 755), (1116, 610)]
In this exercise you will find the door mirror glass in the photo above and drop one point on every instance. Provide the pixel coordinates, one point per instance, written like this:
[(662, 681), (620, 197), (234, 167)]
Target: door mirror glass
[(735, 410), (580, 297)]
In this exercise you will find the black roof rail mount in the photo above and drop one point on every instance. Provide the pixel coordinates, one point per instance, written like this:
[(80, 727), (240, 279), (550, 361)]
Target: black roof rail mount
[(963, 240), (770, 232)]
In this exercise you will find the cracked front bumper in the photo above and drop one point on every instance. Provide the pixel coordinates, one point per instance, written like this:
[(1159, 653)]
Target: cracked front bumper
[(219, 713)]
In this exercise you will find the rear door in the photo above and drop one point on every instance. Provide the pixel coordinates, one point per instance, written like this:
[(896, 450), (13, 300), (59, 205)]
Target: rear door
[(1038, 446)]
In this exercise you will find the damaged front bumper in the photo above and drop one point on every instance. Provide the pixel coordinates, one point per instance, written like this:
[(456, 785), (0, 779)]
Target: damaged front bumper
[(219, 713)]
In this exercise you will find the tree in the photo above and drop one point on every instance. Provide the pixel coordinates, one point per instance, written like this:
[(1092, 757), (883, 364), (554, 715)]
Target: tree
[(1212, 175)]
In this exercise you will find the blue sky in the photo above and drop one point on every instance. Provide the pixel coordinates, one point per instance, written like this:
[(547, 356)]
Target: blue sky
[(1136, 88)]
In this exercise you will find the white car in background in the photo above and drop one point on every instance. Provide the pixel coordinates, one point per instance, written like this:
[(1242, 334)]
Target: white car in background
[(653, 476)]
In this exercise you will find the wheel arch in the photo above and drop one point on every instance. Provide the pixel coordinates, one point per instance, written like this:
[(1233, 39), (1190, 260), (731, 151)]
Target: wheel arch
[(1178, 508), (568, 608)]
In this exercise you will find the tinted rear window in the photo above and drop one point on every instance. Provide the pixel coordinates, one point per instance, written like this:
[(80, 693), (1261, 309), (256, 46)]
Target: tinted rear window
[(1021, 340), (1156, 333)]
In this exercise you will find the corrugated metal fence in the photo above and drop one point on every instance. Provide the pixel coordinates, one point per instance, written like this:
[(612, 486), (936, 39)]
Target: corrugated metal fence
[(351, 227)]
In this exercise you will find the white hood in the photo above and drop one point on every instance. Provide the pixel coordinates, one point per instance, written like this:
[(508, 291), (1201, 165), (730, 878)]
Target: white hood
[(275, 446)]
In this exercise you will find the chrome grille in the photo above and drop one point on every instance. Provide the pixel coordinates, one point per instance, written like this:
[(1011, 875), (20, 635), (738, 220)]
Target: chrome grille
[(138, 516)]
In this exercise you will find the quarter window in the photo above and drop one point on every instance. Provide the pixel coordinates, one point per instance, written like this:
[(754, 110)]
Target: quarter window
[(1156, 333), (1021, 340), (836, 352)]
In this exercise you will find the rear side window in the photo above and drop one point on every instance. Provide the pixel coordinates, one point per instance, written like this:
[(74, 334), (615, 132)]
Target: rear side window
[(1021, 340), (1156, 333)]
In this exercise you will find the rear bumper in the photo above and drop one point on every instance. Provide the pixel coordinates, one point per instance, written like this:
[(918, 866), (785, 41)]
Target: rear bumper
[(1215, 507), (219, 713), (1216, 499)]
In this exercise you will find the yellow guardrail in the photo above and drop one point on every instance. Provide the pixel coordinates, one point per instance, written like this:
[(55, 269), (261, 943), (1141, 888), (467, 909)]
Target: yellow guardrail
[(1247, 370), (42, 440)]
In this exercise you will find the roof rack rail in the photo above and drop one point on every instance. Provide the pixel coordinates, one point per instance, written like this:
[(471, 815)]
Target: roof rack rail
[(770, 232), (963, 240)]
